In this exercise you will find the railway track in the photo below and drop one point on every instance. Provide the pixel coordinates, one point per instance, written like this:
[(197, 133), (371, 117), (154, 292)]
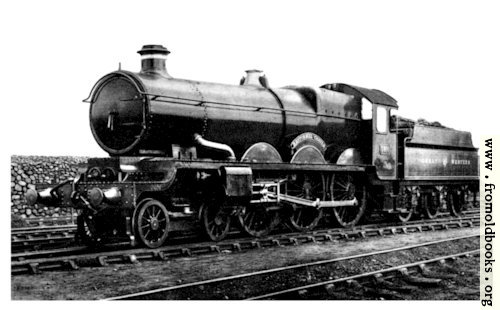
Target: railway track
[(306, 281), (75, 257), (43, 237), (52, 237)]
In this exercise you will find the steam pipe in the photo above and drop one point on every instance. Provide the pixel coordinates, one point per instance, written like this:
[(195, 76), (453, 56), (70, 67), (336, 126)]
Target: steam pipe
[(198, 139)]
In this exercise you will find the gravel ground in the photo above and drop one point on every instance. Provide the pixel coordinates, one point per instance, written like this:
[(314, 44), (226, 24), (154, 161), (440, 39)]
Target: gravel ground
[(459, 281), (102, 282)]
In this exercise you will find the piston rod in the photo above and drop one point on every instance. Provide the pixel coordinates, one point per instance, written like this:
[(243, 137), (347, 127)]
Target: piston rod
[(318, 203)]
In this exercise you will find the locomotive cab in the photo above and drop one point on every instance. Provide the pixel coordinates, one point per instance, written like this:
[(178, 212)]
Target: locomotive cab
[(384, 143), (377, 143)]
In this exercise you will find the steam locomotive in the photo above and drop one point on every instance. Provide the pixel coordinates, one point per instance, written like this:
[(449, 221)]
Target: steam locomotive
[(184, 151)]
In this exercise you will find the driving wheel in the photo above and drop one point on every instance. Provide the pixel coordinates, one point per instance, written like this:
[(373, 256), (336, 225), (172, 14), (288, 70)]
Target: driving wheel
[(345, 187)]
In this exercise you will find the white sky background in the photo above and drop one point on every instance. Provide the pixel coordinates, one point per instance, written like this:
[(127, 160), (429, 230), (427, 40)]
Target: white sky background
[(439, 59)]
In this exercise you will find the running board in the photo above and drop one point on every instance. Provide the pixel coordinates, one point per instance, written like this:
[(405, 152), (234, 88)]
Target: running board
[(317, 203)]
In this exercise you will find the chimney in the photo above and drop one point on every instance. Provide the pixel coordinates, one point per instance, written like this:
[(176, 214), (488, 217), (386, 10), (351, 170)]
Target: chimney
[(153, 59), (256, 78)]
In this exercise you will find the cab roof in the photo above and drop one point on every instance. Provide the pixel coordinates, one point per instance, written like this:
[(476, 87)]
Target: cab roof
[(375, 96)]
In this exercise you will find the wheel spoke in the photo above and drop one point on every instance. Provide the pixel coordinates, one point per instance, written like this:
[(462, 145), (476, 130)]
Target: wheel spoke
[(299, 216), (251, 220), (342, 212), (158, 213), (246, 216)]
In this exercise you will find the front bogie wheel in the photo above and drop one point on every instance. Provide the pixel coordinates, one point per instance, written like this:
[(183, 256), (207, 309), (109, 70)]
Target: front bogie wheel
[(257, 221), (152, 223), (215, 220), (86, 231)]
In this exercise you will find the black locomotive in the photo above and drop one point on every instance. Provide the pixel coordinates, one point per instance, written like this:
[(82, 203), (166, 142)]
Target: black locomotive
[(185, 151)]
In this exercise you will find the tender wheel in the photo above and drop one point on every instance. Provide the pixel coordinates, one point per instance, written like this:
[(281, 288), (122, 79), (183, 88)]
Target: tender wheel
[(152, 223), (257, 221), (408, 203), (430, 204), (456, 201), (344, 187), (310, 187), (215, 220), (86, 232)]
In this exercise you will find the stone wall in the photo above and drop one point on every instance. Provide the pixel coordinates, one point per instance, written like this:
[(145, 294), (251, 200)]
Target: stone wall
[(38, 172)]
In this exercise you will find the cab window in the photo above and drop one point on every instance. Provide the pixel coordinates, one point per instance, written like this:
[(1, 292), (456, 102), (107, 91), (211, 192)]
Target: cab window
[(366, 109), (381, 119)]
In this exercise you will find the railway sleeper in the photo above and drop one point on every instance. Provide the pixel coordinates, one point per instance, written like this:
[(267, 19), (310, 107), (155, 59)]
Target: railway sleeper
[(302, 294), (419, 281), (382, 293), (379, 280), (428, 273), (255, 244), (215, 248), (324, 237), (71, 264), (311, 239), (358, 288), (293, 241), (186, 252), (101, 261), (34, 268), (161, 256), (339, 292), (132, 259), (236, 247), (389, 294)]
